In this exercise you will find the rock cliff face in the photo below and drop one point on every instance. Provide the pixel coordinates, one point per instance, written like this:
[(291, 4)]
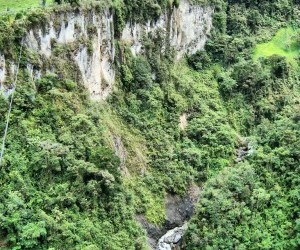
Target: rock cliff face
[(2, 69), (91, 34), (186, 29), (94, 60)]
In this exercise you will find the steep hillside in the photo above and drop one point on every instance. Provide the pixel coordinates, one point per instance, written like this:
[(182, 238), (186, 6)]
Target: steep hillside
[(128, 113), (253, 203)]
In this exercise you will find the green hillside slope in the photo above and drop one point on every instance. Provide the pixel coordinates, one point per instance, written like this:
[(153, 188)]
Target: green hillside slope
[(76, 173)]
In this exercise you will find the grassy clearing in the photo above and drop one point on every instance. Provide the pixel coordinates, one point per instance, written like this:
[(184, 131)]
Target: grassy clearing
[(13, 5), (284, 43)]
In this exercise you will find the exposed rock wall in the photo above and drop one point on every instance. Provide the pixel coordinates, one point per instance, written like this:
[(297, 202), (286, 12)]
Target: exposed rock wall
[(2, 70), (96, 66), (186, 29)]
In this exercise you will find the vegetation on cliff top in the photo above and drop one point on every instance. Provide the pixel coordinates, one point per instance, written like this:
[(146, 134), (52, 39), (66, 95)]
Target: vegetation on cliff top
[(20, 4), (63, 185)]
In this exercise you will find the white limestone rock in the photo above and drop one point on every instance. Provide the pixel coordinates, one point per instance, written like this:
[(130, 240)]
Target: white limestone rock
[(187, 29)]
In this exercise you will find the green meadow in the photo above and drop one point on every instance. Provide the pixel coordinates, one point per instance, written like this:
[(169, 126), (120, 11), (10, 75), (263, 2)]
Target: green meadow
[(13, 5), (284, 43)]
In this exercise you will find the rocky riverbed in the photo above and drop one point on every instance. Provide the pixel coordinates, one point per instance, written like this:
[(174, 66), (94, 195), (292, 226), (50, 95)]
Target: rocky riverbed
[(178, 211)]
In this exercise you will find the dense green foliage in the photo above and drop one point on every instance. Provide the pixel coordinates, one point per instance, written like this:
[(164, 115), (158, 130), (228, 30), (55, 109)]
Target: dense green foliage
[(255, 204), (60, 181), (63, 184)]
